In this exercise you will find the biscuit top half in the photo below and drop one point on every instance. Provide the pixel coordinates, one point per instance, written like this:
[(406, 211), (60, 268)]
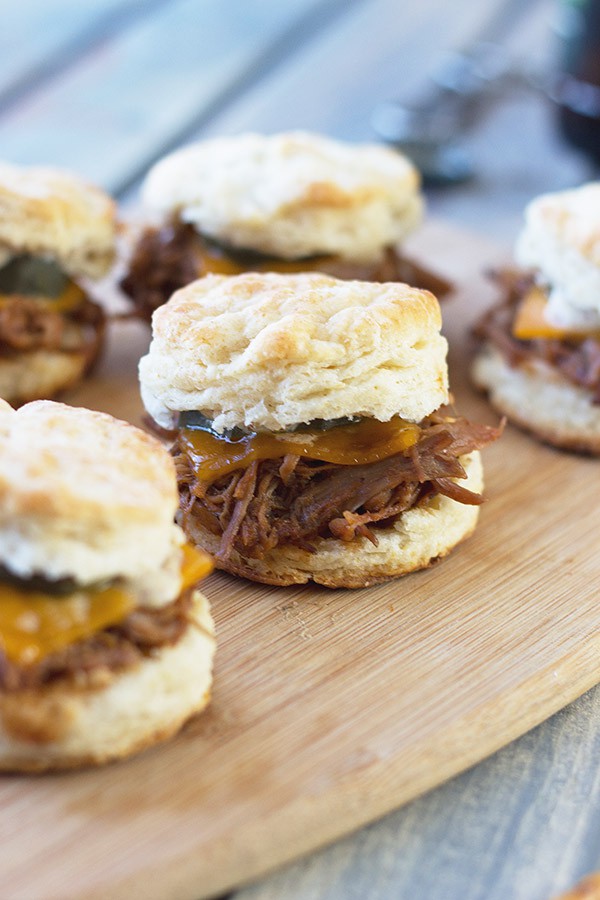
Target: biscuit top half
[(291, 195), (52, 213), (560, 240), (82, 495), (267, 351)]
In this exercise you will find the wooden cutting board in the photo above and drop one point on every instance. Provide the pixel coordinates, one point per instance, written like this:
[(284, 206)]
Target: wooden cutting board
[(331, 708)]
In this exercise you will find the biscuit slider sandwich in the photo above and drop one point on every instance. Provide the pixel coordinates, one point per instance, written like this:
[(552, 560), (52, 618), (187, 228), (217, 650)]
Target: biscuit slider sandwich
[(311, 438), (55, 231), (288, 202), (106, 644), (539, 348)]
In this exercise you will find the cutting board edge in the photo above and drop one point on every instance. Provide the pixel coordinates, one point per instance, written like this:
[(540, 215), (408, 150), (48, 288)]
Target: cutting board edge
[(177, 881)]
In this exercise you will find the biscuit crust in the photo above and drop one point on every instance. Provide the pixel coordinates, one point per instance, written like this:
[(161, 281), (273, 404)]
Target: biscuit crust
[(418, 538), (62, 726), (572, 217), (40, 373), (561, 242), (290, 195), (268, 351), (50, 212), (83, 495), (540, 401)]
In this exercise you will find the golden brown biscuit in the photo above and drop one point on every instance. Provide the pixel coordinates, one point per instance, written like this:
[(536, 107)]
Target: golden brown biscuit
[(290, 202), (83, 495), (105, 644), (540, 402), (40, 373), (560, 241)]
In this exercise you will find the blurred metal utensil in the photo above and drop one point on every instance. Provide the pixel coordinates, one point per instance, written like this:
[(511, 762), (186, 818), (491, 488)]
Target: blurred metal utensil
[(431, 130)]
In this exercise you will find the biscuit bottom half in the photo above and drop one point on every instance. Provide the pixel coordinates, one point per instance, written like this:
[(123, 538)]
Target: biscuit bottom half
[(416, 539), (538, 399), (43, 351), (544, 379), (82, 718), (40, 373)]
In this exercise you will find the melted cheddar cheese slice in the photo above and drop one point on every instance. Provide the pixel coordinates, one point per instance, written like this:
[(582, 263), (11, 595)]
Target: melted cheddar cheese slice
[(195, 565), (34, 624), (530, 321), (70, 299), (364, 441), (220, 263)]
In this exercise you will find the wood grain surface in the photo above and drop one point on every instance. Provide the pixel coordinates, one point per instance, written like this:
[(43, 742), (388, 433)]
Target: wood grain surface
[(331, 708)]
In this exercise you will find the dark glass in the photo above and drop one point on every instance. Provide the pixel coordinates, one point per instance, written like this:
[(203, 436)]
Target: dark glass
[(578, 85)]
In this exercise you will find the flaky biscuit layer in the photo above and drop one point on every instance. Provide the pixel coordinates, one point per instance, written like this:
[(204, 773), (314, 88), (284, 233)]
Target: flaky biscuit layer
[(291, 195), (53, 213), (269, 351), (84, 495)]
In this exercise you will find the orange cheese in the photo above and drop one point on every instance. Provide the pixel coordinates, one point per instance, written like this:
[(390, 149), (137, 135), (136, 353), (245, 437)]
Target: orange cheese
[(70, 299), (530, 321), (34, 624), (196, 565), (364, 441), (274, 264), (217, 263), (220, 263)]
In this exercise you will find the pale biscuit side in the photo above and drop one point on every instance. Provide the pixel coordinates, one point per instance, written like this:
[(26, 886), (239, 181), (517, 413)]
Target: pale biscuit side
[(40, 373), (540, 401)]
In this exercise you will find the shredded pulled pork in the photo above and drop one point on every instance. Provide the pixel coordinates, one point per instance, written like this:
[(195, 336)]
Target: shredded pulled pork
[(295, 500), (578, 360), (26, 325), (114, 649), (392, 267), (165, 259)]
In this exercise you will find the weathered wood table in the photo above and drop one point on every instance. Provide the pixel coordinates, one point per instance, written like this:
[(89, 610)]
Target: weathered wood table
[(106, 88)]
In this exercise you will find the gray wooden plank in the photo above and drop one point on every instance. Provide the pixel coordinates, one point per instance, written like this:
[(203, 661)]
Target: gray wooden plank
[(114, 110), (382, 49), (39, 37)]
